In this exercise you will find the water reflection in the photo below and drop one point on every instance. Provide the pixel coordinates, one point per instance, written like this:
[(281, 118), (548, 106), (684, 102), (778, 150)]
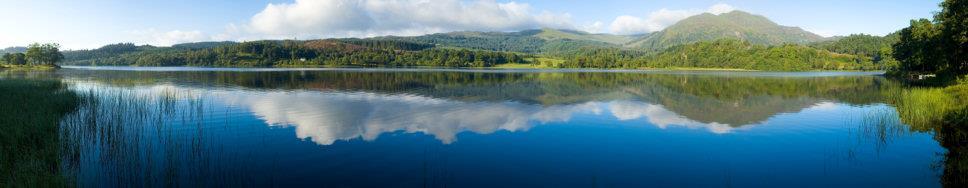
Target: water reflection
[(327, 117), (203, 128)]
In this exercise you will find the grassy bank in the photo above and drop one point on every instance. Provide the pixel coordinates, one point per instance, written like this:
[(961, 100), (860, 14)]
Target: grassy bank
[(28, 67), (928, 107), (29, 140)]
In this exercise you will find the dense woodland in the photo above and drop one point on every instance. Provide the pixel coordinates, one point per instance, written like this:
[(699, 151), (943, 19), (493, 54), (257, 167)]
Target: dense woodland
[(37, 54), (725, 53), (329, 52), (938, 46)]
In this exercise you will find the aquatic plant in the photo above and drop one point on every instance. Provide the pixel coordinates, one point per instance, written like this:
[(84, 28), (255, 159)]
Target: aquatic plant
[(29, 144)]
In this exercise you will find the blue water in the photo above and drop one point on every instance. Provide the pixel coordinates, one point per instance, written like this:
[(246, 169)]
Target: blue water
[(442, 128)]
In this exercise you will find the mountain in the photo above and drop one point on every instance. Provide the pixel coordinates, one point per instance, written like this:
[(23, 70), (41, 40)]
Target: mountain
[(740, 25), (17, 49), (558, 34), (553, 41), (734, 40)]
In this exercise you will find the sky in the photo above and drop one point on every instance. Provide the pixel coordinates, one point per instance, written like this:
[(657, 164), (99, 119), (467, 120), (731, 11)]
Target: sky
[(91, 24)]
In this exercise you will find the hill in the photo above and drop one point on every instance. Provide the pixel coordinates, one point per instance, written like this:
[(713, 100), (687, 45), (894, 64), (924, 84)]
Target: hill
[(877, 48), (740, 25), (16, 49), (552, 41), (734, 40)]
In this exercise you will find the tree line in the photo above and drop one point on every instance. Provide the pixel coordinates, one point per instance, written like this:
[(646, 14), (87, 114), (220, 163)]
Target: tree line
[(726, 53), (328, 52), (36, 54), (723, 53), (938, 46)]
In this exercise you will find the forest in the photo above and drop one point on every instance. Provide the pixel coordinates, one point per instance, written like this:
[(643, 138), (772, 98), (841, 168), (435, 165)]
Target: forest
[(328, 52), (724, 53)]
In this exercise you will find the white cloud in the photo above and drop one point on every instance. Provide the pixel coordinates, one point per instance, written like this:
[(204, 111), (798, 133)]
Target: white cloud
[(178, 36), (168, 38), (341, 18), (306, 19), (596, 27), (661, 117), (659, 19), (327, 117)]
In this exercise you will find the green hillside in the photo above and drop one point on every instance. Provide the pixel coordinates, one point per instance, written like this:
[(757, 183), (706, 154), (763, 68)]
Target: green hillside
[(555, 34), (877, 48), (551, 41), (740, 25)]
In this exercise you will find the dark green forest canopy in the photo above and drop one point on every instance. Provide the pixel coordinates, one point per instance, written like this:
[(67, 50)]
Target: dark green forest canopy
[(938, 46)]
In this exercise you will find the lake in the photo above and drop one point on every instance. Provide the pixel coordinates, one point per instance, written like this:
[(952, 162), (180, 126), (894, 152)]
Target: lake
[(488, 128)]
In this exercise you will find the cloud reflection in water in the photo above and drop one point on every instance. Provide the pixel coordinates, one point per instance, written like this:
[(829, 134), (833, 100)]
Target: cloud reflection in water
[(326, 117)]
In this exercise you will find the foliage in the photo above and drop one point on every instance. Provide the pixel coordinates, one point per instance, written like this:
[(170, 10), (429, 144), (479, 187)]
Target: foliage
[(939, 46), (330, 52), (523, 41), (726, 53), (15, 59), (44, 54), (878, 49), (737, 54), (954, 33), (918, 48), (589, 57), (544, 41)]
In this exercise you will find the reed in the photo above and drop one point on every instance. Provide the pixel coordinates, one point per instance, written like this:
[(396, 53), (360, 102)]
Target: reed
[(29, 143)]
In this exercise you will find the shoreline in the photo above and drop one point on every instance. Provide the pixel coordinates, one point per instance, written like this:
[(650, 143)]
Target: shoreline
[(458, 69), (486, 70), (29, 67)]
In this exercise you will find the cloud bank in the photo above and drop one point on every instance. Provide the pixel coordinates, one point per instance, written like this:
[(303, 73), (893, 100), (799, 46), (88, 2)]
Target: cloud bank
[(311, 19), (341, 18)]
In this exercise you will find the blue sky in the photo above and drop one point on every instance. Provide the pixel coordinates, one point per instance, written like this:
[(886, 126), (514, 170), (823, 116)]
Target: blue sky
[(90, 24)]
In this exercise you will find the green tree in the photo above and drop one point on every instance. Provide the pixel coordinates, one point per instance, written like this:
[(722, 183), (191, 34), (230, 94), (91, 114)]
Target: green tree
[(954, 19), (15, 58), (45, 54), (918, 48), (939, 46)]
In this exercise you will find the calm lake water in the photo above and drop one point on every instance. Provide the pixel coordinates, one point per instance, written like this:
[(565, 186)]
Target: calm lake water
[(489, 128)]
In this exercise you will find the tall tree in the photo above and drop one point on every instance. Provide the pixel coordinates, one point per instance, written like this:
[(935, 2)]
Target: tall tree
[(918, 49), (45, 54), (939, 46), (954, 19)]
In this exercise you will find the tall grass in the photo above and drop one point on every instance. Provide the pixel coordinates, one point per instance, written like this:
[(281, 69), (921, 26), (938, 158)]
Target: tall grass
[(130, 137), (29, 143), (945, 112), (928, 108)]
